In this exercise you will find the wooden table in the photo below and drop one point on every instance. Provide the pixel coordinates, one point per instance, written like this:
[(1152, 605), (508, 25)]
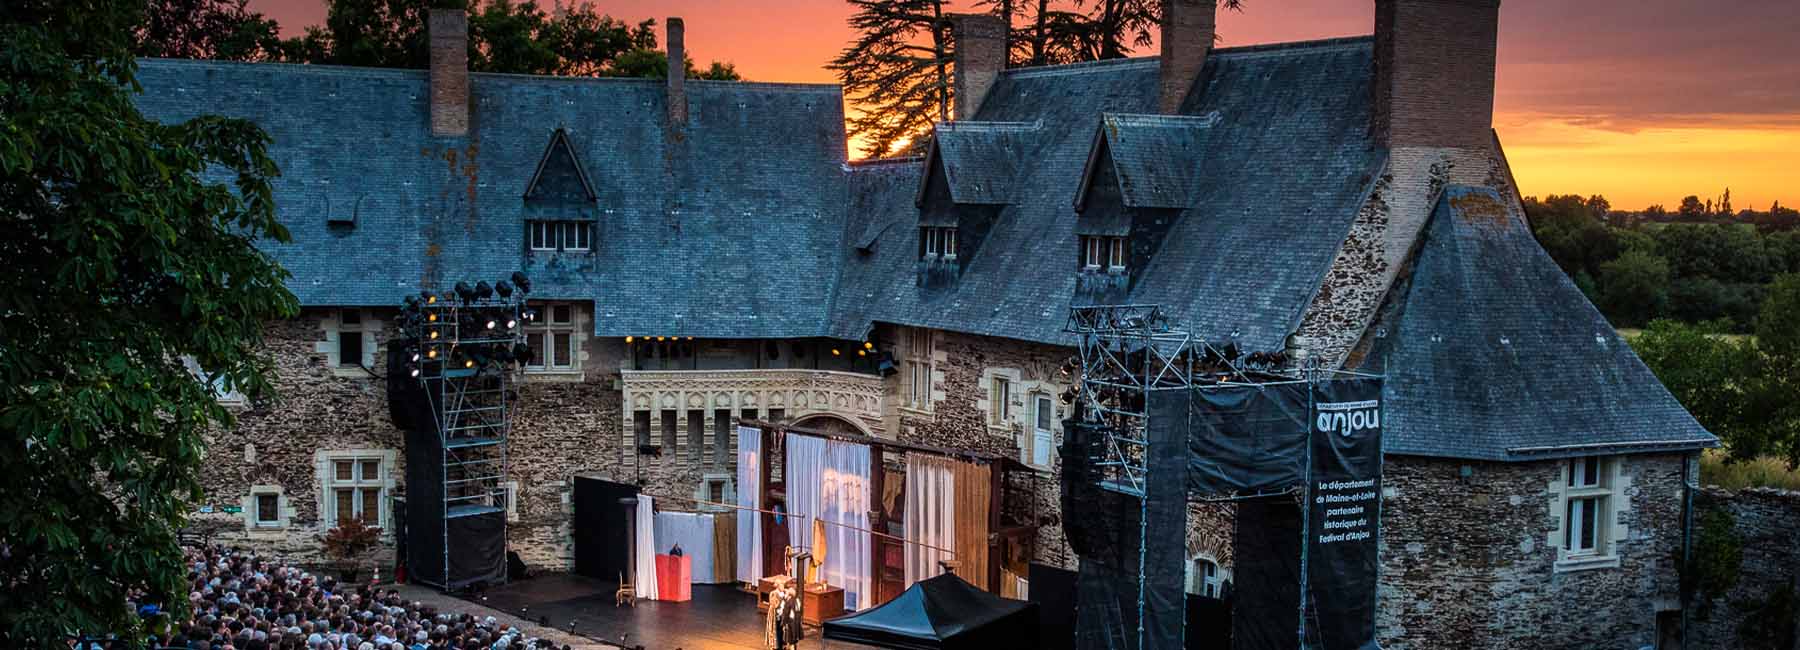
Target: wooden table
[(821, 602)]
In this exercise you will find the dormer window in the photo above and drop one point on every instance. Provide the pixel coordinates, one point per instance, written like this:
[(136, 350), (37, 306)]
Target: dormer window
[(937, 243), (1103, 254), (559, 235)]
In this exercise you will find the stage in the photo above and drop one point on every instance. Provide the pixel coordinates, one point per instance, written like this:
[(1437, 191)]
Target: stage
[(718, 618)]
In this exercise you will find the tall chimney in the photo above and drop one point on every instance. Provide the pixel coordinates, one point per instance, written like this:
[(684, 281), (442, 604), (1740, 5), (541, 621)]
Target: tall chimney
[(678, 104), (449, 32), (1187, 35), (980, 57), (1434, 72)]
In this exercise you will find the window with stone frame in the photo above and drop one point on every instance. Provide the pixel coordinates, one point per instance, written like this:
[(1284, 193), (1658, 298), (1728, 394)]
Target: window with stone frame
[(356, 487), (918, 368), (552, 336), (1587, 507), (999, 400), (1204, 578), (215, 382), (350, 338)]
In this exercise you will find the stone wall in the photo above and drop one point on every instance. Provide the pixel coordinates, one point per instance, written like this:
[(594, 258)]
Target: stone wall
[(1473, 562), (960, 417), (1762, 525), (318, 407)]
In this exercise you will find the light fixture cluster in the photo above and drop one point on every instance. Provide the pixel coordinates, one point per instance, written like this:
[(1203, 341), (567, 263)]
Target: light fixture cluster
[(469, 329)]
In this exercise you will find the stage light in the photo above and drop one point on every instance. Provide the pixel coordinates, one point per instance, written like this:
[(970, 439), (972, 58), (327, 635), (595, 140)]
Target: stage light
[(862, 353), (512, 323), (628, 339), (429, 297), (483, 290), (415, 356), (468, 363), (530, 314), (431, 354), (659, 339), (412, 370), (835, 352), (434, 334), (690, 338), (503, 288), (491, 324), (465, 292), (520, 282), (431, 317), (868, 345)]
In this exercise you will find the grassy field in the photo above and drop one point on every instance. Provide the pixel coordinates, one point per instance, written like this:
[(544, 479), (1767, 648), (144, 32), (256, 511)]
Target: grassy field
[(1762, 472)]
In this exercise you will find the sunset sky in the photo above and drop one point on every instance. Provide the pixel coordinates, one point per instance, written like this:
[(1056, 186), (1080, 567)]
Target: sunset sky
[(1644, 101)]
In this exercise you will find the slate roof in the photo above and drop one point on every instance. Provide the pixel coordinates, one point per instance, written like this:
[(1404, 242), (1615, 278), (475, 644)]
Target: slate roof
[(1496, 355), (1285, 166), (982, 160), (731, 228), (1157, 159)]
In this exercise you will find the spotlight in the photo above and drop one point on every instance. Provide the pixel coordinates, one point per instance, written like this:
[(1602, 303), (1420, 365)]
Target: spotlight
[(503, 288), (431, 354), (835, 352), (468, 363), (429, 297), (628, 339), (522, 283), (431, 317), (512, 323), (483, 290), (434, 334), (412, 370), (530, 314), (659, 339), (465, 292), (862, 353), (491, 324), (415, 356), (868, 345)]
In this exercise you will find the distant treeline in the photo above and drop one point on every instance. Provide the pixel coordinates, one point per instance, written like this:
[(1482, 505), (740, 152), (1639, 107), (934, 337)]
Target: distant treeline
[(1702, 262)]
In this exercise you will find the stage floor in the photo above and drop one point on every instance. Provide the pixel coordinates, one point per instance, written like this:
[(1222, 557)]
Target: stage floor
[(718, 618)]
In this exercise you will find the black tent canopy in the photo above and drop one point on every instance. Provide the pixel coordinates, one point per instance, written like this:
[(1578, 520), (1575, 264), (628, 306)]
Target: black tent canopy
[(941, 613)]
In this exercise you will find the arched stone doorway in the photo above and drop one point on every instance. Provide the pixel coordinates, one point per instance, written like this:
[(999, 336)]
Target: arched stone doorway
[(829, 423)]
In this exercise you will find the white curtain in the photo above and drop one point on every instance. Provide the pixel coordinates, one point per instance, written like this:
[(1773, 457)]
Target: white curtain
[(829, 480), (930, 514), (694, 532), (749, 495), (646, 548)]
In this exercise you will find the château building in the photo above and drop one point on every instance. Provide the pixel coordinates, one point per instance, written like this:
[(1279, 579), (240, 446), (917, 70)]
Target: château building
[(703, 253)]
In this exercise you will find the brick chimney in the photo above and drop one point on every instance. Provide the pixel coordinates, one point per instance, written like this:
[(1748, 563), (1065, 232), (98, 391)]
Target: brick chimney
[(678, 103), (1188, 27), (449, 32), (1434, 72), (980, 57)]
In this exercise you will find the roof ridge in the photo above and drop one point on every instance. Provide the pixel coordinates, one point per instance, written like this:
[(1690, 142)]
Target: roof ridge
[(1159, 119), (321, 68), (853, 165), (989, 125), (1079, 66), (1317, 43)]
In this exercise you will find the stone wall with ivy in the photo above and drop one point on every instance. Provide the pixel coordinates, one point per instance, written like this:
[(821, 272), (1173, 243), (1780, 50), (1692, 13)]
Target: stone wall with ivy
[(1745, 570)]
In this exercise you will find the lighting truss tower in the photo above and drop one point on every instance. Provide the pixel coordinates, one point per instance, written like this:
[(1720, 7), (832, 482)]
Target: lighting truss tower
[(1126, 351), (463, 347)]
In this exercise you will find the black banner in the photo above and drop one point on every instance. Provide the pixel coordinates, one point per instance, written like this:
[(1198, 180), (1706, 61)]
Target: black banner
[(1247, 439), (1343, 496)]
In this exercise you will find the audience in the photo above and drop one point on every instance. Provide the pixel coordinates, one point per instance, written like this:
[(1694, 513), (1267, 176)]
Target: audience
[(241, 601)]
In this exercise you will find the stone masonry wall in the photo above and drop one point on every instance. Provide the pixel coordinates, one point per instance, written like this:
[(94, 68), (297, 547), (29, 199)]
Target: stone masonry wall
[(1472, 562), (959, 416), (1763, 523)]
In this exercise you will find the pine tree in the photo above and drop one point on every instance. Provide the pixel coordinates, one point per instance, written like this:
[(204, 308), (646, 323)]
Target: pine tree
[(896, 71)]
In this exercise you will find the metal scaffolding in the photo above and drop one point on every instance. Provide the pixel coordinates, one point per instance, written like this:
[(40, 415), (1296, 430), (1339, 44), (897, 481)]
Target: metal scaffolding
[(464, 347)]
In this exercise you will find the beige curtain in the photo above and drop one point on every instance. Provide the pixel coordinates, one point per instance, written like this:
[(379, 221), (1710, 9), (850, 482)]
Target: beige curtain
[(974, 490), (724, 546)]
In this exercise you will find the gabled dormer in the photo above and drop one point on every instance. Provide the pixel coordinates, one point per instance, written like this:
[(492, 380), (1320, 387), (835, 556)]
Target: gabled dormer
[(560, 203), (1140, 176), (970, 178)]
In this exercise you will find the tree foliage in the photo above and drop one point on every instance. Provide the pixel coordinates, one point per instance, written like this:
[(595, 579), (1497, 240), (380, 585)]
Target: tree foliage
[(125, 257), (508, 36)]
